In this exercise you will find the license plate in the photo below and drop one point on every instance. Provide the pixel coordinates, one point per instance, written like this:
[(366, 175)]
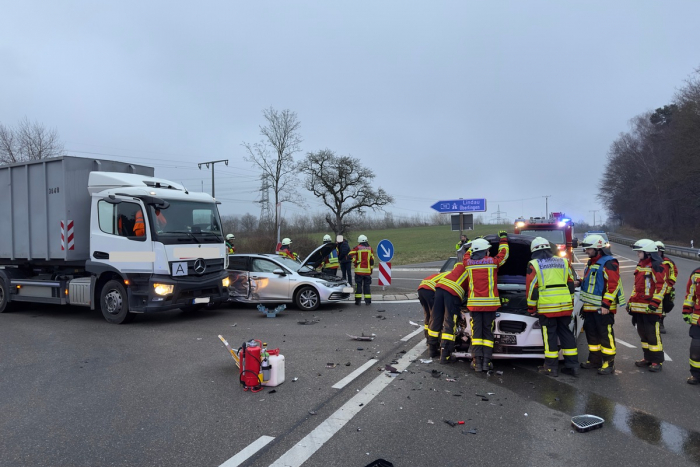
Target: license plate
[(506, 339), (201, 300), (348, 290)]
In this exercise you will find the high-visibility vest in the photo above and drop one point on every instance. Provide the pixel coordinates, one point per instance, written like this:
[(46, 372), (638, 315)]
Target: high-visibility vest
[(139, 225), (331, 261), (230, 248), (593, 287), (430, 281), (363, 259), (288, 254), (552, 285), (692, 297)]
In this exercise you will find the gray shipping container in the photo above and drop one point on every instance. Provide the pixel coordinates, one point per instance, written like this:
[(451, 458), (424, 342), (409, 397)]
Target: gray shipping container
[(45, 207)]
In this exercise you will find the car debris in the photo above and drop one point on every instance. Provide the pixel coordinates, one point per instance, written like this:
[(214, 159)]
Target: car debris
[(470, 432), (312, 412), (271, 314), (381, 317), (307, 321), (426, 361), (451, 380), (584, 423), (451, 423), (391, 369), (362, 337), (430, 422), (348, 364), (295, 379), (331, 365)]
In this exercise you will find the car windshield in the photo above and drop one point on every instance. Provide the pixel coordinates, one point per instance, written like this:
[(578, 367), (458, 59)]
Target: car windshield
[(552, 236), (186, 222), (288, 263)]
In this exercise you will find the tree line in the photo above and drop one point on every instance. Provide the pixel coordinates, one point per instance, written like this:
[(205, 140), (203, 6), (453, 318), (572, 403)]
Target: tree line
[(650, 179)]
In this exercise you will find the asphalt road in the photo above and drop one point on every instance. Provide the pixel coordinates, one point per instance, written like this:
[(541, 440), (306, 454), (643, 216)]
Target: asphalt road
[(163, 390)]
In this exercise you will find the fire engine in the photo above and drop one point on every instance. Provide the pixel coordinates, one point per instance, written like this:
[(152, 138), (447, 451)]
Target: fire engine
[(557, 228)]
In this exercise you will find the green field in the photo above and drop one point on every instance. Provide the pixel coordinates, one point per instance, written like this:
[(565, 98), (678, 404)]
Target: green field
[(423, 244)]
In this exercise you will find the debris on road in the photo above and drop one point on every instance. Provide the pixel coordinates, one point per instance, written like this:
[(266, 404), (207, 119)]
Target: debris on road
[(426, 361), (381, 311), (436, 373), (295, 379), (331, 365), (499, 373), (414, 324), (451, 423), (391, 369), (234, 325), (306, 321), (451, 380), (271, 314), (461, 422), (470, 432), (381, 317), (312, 412), (362, 338), (348, 364), (272, 392), (430, 422), (584, 423)]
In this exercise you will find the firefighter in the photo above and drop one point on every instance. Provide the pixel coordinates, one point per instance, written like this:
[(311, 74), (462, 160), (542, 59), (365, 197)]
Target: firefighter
[(691, 314), (230, 248), (330, 262), (645, 303), (550, 295), (426, 297), (449, 294), (671, 276), (481, 291), (344, 260), (363, 260), (463, 240), (286, 250), (601, 292)]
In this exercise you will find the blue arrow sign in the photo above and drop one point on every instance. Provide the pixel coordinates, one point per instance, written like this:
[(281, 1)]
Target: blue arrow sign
[(461, 205), (385, 251)]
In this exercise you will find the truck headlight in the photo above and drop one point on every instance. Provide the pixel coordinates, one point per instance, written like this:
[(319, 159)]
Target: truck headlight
[(225, 281), (562, 253), (163, 289)]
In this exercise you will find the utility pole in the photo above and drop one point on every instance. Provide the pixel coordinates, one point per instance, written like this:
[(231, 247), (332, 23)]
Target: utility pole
[(546, 205), (594, 211), (212, 172), (498, 213)]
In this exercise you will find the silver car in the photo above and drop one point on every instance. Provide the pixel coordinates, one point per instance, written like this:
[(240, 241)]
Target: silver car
[(269, 278)]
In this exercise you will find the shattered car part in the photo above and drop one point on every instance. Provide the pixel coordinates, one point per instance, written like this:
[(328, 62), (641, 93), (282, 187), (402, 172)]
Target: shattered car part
[(587, 422)]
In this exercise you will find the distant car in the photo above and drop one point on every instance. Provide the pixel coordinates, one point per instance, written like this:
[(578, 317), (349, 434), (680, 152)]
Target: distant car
[(272, 279), (516, 333)]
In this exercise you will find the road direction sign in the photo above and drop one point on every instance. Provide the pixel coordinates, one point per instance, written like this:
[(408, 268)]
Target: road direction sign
[(461, 205), (385, 251)]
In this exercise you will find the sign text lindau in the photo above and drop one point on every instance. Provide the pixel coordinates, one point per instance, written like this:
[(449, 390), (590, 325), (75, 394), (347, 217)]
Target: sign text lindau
[(460, 205)]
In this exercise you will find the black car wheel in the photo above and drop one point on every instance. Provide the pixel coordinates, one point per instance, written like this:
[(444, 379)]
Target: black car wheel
[(307, 298)]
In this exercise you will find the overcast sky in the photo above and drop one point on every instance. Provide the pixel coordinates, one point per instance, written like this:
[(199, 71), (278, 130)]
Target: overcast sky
[(507, 100)]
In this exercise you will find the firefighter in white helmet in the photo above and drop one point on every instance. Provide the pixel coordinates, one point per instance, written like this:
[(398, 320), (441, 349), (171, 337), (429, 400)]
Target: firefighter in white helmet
[(363, 259), (645, 303), (330, 262), (601, 293), (230, 248), (286, 250), (550, 295), (671, 275)]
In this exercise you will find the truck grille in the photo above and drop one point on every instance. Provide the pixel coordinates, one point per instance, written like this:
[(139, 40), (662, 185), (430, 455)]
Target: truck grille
[(213, 266)]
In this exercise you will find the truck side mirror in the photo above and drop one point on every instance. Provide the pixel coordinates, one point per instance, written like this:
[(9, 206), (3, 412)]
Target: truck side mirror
[(111, 199)]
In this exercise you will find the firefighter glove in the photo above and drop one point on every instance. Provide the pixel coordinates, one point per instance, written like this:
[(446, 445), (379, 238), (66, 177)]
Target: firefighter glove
[(672, 294), (628, 309), (502, 233), (686, 317), (651, 308)]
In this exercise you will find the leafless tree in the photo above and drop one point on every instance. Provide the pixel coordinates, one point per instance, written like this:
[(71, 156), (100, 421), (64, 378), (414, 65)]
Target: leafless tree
[(28, 142), (274, 155), (343, 185)]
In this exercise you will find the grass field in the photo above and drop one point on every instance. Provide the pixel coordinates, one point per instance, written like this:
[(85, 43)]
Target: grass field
[(423, 244)]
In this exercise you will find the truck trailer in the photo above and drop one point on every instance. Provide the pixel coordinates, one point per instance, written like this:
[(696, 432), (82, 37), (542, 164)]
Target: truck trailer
[(108, 235)]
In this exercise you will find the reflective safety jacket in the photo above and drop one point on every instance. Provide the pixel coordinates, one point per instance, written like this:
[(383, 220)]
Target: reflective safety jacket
[(601, 285), (230, 248), (550, 287), (288, 254), (363, 259), (139, 225), (429, 282), (331, 261), (481, 286), (691, 304), (649, 287), (671, 273), (453, 281)]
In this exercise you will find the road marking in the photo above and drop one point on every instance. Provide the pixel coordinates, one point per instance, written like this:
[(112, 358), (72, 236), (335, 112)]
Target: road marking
[(667, 357), (345, 381), (304, 449), (414, 333), (397, 301), (251, 449), (626, 344)]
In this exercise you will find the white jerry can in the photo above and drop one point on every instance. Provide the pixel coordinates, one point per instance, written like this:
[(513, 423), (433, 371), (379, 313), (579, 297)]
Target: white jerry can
[(276, 371)]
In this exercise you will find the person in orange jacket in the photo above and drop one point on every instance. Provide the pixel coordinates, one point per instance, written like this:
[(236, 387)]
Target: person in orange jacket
[(671, 275), (691, 315), (363, 260), (426, 297)]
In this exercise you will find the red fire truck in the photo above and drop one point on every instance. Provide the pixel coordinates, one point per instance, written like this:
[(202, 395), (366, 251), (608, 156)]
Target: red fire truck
[(557, 228)]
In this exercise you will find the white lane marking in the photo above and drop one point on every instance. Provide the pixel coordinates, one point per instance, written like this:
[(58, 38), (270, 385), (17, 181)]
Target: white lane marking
[(626, 344), (667, 358), (304, 449), (251, 449), (397, 301), (345, 381), (416, 332)]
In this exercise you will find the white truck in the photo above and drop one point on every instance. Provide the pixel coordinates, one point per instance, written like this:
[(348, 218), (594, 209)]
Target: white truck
[(107, 235)]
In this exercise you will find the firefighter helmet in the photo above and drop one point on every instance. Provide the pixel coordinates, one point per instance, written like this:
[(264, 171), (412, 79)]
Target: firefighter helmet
[(480, 244), (362, 239), (539, 243), (286, 241), (593, 241), (230, 237), (326, 238), (645, 245), (660, 246)]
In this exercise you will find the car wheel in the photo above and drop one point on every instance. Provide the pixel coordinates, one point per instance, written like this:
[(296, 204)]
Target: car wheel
[(4, 297), (114, 303), (307, 299)]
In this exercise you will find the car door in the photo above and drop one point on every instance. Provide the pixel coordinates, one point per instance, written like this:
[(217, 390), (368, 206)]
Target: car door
[(266, 286), (239, 275)]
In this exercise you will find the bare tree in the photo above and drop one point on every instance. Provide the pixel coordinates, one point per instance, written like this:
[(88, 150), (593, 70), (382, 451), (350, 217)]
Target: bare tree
[(343, 185), (274, 155), (28, 142)]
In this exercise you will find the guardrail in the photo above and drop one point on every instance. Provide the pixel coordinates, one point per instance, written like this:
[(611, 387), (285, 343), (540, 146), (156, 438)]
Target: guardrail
[(684, 252)]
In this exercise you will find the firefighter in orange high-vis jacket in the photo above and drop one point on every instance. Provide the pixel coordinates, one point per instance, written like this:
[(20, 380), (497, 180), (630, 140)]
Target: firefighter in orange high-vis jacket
[(671, 275), (645, 303), (449, 293), (550, 294), (286, 250), (691, 315), (481, 290), (363, 259), (426, 297)]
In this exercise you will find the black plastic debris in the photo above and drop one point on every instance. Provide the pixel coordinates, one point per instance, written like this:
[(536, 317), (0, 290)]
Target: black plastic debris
[(272, 392), (312, 412), (348, 364), (381, 317), (451, 423), (435, 374), (584, 423), (391, 369), (380, 463), (361, 337), (402, 351), (331, 365), (306, 321), (381, 311)]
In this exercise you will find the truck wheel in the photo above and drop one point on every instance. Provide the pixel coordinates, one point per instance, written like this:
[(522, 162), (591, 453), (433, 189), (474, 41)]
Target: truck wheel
[(114, 303), (4, 297), (307, 299)]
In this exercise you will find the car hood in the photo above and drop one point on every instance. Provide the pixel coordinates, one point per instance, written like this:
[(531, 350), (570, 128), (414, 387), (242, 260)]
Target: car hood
[(315, 258)]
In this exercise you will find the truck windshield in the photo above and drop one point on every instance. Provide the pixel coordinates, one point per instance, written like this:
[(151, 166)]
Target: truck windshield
[(553, 236), (186, 222)]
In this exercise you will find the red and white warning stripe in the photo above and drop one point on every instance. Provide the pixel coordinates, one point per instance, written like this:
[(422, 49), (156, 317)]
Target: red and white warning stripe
[(67, 240), (384, 273)]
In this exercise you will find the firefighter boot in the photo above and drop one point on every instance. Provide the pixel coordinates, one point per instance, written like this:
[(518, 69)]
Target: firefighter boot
[(594, 361), (693, 380), (642, 363), (486, 364), (549, 369), (477, 363), (446, 354), (655, 367), (434, 350), (608, 368), (357, 301), (573, 371)]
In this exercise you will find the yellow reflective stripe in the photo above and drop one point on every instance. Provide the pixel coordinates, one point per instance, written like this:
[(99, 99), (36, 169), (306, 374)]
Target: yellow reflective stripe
[(426, 326), (610, 339), (477, 341), (694, 364), (547, 352), (645, 345), (433, 333), (358, 295), (608, 351), (570, 352), (551, 354), (594, 348), (659, 345), (487, 343), (656, 348), (448, 337)]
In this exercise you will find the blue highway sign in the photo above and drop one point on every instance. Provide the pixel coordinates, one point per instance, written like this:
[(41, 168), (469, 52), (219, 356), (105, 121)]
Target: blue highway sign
[(385, 251), (461, 205)]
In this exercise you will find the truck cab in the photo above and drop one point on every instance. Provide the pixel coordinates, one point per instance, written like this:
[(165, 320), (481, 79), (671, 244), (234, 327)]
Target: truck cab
[(557, 229)]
